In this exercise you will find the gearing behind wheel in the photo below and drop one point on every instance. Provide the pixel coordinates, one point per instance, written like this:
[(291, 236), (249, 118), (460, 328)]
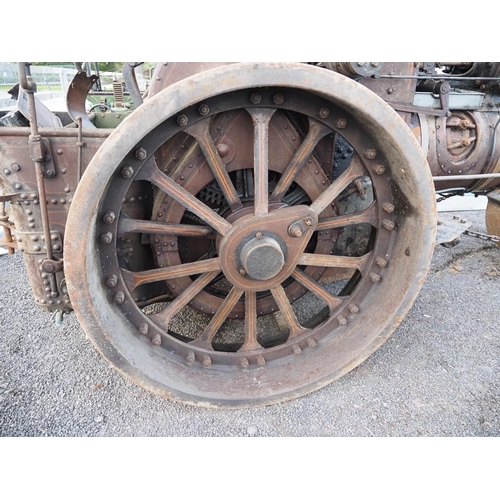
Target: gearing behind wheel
[(220, 254)]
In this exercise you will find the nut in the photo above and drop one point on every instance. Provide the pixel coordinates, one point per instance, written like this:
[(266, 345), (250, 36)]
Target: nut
[(182, 120), (323, 112), (106, 238), (341, 123), (127, 172), (278, 99), (370, 153), (203, 109), (112, 281), (109, 217), (140, 154)]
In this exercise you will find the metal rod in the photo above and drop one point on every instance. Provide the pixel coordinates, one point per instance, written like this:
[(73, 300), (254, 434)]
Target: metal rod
[(79, 145), (464, 177), (437, 77), (55, 132)]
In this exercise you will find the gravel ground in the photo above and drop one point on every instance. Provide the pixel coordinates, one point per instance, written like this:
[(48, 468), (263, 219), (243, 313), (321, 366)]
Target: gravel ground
[(436, 376)]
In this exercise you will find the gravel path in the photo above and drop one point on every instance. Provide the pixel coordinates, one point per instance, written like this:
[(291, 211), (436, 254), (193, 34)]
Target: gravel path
[(438, 375)]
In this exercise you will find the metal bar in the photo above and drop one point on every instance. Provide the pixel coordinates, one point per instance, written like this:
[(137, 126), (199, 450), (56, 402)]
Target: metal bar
[(99, 133), (437, 77), (464, 177)]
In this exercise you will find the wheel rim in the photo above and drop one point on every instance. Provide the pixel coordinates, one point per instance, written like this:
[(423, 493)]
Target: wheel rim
[(254, 370)]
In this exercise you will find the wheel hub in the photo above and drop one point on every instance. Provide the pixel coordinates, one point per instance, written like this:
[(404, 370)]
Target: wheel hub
[(261, 257)]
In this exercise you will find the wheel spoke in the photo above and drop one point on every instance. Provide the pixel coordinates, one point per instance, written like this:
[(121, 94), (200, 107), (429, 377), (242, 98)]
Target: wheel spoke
[(261, 119), (316, 132), (251, 342), (288, 313), (164, 317), (128, 225), (206, 338), (326, 197), (366, 216), (317, 289), (151, 173), (201, 133), (320, 260), (134, 279)]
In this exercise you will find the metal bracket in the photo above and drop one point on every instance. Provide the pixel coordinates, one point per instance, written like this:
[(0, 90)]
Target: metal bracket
[(450, 228)]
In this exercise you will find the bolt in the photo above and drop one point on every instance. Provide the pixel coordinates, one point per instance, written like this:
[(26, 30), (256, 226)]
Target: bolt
[(374, 277), (112, 281), (18, 186), (388, 224), (207, 361), (190, 357), (6, 171), (127, 172), (140, 154), (143, 328), (106, 238), (109, 217), (260, 361), (354, 309), (203, 109), (388, 207), (370, 153), (381, 262), (182, 120), (50, 173), (57, 247), (278, 99), (308, 221), (119, 298), (390, 90), (47, 158), (323, 112), (374, 64), (342, 320), (156, 339), (311, 342), (296, 349), (244, 363), (341, 123), (255, 98), (258, 235), (379, 169), (361, 64), (16, 167), (242, 272), (295, 231)]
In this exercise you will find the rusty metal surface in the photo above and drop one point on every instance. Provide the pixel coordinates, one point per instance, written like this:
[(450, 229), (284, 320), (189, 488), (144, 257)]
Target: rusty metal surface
[(493, 213), (76, 97), (393, 267)]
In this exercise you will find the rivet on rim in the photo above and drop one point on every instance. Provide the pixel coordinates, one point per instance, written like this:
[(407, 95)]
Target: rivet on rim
[(370, 153), (311, 342), (207, 361), (388, 224), (244, 363), (379, 169), (190, 357), (323, 112), (127, 172), (143, 328), (374, 277), (388, 207), (353, 308), (381, 262), (278, 99), (203, 109), (296, 349), (341, 123), (255, 98), (260, 361), (342, 320), (156, 339), (182, 120), (112, 281), (119, 298)]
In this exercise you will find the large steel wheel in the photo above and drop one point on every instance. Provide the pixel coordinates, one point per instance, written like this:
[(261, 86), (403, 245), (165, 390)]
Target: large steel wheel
[(248, 224)]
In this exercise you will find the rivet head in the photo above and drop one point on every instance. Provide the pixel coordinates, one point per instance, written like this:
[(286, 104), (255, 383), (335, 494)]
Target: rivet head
[(381, 262), (323, 112), (156, 339), (296, 350), (379, 169), (127, 172), (311, 342), (370, 153), (278, 99), (260, 361), (388, 207), (106, 238), (255, 98), (258, 235), (57, 247), (59, 151), (6, 171), (388, 224), (374, 277), (182, 120), (244, 363), (341, 123), (17, 186), (112, 281), (207, 361), (203, 110), (353, 308), (15, 167), (119, 298), (342, 320), (143, 328), (140, 154), (109, 217), (190, 357)]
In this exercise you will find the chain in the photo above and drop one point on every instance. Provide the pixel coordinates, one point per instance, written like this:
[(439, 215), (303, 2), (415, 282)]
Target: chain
[(482, 236)]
